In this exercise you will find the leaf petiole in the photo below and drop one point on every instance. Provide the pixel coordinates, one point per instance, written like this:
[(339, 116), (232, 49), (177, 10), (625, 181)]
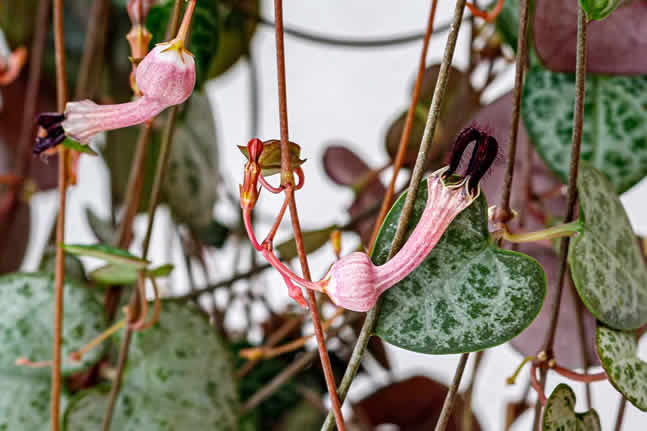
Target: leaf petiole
[(559, 231)]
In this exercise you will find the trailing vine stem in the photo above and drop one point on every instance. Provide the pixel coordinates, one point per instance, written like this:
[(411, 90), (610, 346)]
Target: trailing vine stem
[(61, 96), (505, 213), (448, 405), (416, 178), (162, 163), (287, 180), (578, 118)]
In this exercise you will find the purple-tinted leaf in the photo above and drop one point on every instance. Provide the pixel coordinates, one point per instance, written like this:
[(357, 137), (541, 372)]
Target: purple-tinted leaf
[(370, 197), (413, 404), (16, 236), (461, 101), (615, 45), (343, 166), (567, 340), (45, 174), (346, 168)]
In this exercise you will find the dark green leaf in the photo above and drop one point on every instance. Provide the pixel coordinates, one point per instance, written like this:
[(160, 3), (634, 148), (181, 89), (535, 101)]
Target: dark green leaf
[(614, 136), (606, 262), (559, 413), (73, 266), (214, 235), (626, 371), (466, 296), (107, 253)]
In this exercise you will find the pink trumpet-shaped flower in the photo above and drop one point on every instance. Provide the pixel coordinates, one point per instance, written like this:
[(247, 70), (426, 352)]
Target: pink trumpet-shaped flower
[(354, 282), (165, 77)]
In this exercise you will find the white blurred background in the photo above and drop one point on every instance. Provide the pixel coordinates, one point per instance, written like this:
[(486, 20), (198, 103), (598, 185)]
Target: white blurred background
[(333, 92)]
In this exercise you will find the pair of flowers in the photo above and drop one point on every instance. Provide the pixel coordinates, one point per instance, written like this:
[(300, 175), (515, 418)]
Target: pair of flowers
[(354, 282)]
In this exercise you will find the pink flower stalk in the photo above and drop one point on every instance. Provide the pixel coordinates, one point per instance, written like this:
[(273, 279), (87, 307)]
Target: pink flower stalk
[(165, 77), (354, 282)]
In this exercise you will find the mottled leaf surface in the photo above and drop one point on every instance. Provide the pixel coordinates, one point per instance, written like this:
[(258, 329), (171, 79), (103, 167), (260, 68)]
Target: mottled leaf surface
[(614, 46), (179, 377), (626, 371), (466, 296), (614, 136), (605, 259), (191, 183), (559, 413), (24, 402), (26, 318)]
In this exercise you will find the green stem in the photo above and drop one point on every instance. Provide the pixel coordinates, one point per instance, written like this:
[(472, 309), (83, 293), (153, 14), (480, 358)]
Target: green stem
[(560, 231)]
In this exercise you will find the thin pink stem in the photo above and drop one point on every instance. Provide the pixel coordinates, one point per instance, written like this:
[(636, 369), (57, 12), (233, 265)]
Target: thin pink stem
[(541, 396), (579, 377), (268, 186)]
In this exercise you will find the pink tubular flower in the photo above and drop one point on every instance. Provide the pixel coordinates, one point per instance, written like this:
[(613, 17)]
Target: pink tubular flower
[(165, 77), (354, 282)]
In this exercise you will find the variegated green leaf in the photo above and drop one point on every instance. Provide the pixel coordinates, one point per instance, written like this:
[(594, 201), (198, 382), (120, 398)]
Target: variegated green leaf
[(614, 136), (466, 296), (626, 371), (26, 322), (24, 402), (559, 413), (606, 262), (179, 377), (191, 183)]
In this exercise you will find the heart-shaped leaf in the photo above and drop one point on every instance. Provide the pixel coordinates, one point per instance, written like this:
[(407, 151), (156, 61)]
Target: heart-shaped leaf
[(107, 253), (193, 166), (626, 371), (606, 262), (204, 36), (614, 46), (181, 351), (26, 319), (614, 137), (559, 413), (466, 296), (343, 166)]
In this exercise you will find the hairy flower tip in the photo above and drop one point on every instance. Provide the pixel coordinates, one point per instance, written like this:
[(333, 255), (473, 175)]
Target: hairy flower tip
[(51, 131), (355, 283), (167, 74), (483, 155)]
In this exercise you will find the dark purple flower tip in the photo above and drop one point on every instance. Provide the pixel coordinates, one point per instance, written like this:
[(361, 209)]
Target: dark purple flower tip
[(48, 119), (464, 138), (55, 135), (484, 154)]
